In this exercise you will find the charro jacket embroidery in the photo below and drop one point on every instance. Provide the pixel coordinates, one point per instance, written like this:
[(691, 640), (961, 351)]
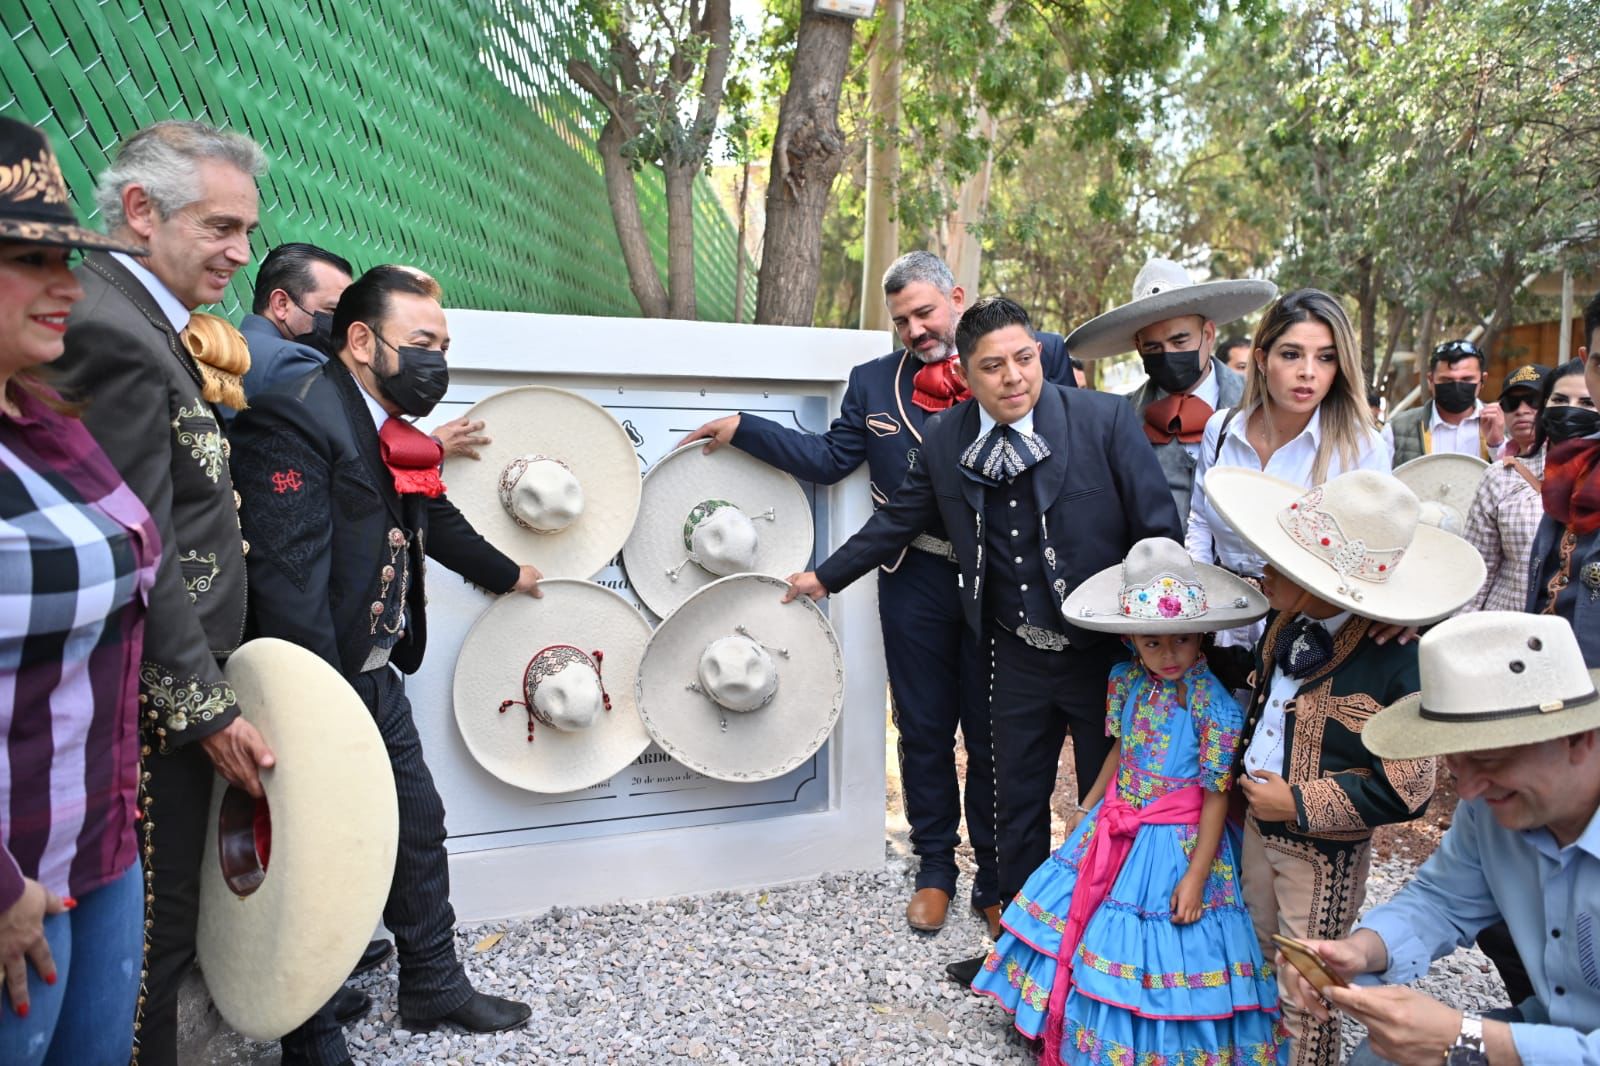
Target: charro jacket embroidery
[(172, 704), (198, 572), (196, 430)]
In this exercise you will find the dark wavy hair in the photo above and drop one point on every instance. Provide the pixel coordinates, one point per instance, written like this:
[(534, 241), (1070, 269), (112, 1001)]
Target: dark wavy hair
[(984, 317), (1571, 368)]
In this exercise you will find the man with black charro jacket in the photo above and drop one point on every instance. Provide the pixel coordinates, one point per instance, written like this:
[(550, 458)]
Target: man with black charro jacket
[(343, 497)]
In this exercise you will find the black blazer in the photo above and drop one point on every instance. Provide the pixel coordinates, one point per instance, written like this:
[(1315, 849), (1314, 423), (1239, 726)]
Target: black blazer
[(1100, 491), (319, 508)]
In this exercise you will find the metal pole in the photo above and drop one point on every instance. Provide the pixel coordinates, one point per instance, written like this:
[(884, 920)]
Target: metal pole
[(882, 237)]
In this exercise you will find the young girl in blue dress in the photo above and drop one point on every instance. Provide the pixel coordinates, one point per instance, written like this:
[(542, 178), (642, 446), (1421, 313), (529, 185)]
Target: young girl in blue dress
[(1131, 944)]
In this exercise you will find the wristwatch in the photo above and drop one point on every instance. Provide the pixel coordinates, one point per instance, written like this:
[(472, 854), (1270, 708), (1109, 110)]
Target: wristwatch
[(1468, 1048)]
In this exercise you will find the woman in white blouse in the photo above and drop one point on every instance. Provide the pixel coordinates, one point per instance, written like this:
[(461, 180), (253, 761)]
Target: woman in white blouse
[(1304, 418)]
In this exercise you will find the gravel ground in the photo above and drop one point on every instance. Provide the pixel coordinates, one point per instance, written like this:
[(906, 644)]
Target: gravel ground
[(824, 971)]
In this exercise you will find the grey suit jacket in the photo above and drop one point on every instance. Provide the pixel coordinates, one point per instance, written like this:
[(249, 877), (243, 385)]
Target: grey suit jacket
[(141, 392), (1176, 462), (274, 359)]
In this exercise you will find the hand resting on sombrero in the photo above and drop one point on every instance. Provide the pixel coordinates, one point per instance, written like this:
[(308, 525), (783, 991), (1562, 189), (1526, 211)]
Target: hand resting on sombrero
[(461, 437), (804, 584), (239, 753), (528, 578), (715, 433)]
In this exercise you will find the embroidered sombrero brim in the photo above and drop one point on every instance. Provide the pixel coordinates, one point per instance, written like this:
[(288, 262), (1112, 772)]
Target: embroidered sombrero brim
[(274, 954), (655, 551), (1444, 478), (1220, 301), (1438, 574), (490, 670), (1403, 731), (65, 235), (1095, 604), (538, 420), (760, 744)]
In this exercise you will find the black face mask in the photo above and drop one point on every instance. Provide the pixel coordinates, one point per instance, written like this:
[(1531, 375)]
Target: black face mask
[(419, 381), (1174, 371), (1568, 422), (1455, 396), (321, 335)]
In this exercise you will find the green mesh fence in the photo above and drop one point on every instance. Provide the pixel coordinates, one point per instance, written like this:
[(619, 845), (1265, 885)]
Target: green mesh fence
[(441, 133)]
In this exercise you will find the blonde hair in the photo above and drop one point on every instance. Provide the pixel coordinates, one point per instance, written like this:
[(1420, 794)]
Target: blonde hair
[(1345, 417)]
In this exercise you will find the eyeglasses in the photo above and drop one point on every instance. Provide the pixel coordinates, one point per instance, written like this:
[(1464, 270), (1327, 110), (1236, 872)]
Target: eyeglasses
[(1509, 403)]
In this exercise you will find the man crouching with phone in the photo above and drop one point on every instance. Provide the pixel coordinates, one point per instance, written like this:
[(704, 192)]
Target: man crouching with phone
[(1507, 700)]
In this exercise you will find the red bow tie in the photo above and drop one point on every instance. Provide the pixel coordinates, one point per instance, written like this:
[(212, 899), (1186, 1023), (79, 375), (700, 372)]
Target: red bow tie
[(936, 386), (1176, 417), (412, 457)]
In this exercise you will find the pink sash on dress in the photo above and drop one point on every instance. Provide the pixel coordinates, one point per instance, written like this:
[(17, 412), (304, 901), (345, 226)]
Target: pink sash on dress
[(1118, 823)]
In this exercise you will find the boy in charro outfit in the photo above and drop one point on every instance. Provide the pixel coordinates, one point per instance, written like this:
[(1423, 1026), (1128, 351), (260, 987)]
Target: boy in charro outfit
[(1343, 560)]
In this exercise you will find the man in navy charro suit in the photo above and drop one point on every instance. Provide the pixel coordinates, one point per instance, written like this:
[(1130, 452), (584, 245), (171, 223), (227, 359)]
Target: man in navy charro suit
[(936, 677), (1040, 486)]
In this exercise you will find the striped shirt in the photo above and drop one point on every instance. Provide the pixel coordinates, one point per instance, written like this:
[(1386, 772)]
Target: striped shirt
[(78, 555)]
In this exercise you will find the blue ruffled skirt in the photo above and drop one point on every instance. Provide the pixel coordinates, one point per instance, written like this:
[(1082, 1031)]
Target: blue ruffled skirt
[(1144, 989)]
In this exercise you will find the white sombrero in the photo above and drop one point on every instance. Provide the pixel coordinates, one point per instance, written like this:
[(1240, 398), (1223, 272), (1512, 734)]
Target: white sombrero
[(703, 517), (544, 689), (1445, 483), (1355, 541), (1164, 290), (559, 485), (739, 685), (1490, 679), (289, 895), (1158, 588)]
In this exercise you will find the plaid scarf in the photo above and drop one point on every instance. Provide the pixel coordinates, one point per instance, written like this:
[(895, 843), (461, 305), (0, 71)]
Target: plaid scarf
[(1571, 489)]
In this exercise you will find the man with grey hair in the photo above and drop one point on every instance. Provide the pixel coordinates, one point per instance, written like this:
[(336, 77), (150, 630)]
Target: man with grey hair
[(186, 192), (936, 678)]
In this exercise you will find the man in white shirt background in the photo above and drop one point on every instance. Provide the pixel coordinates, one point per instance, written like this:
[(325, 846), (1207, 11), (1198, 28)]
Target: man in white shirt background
[(1454, 419)]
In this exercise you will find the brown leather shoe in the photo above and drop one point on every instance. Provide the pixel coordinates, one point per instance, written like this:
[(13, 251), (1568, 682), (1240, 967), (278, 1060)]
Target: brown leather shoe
[(991, 915), (927, 909)]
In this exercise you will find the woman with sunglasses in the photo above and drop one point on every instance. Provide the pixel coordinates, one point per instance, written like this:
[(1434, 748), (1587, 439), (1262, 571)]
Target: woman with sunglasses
[(1505, 513), (78, 555)]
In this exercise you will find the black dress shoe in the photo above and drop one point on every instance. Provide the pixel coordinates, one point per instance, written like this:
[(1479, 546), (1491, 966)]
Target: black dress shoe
[(376, 955), (348, 1004), (480, 1014), (963, 972)]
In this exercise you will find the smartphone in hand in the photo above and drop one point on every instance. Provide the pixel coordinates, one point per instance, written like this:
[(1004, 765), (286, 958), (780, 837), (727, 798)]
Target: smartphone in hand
[(1309, 963)]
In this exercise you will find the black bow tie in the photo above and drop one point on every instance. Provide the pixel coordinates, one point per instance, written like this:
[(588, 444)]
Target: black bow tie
[(1303, 647), (1003, 454)]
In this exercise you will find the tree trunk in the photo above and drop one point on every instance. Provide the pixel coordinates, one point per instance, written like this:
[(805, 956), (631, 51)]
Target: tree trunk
[(882, 234), (806, 156), (623, 196), (680, 241), (738, 245), (1367, 303)]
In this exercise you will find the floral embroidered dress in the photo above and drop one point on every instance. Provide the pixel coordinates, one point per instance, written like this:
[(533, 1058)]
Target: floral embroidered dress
[(1146, 991)]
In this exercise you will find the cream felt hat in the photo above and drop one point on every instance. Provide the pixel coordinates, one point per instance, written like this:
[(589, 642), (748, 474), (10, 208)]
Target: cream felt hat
[(740, 686), (1447, 482), (708, 516), (1161, 291), (544, 692), (1490, 679), (289, 895), (1158, 588), (557, 487), (1355, 541)]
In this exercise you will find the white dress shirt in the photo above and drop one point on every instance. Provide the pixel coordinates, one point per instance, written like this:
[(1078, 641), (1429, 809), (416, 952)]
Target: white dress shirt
[(986, 422), (170, 305), (1208, 534), (1266, 745), (1461, 439)]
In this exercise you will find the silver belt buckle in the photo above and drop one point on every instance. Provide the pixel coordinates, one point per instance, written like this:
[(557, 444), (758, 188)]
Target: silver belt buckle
[(1042, 639)]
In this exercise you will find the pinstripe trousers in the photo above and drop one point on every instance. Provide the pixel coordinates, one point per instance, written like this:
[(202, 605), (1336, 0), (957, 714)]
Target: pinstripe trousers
[(418, 912)]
